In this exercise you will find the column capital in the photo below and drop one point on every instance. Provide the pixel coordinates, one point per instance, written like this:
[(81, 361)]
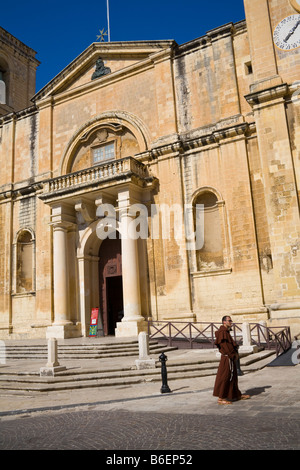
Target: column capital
[(63, 216), (64, 226), (128, 195)]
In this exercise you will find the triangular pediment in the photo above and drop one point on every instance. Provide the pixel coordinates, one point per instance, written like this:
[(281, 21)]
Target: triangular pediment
[(117, 57)]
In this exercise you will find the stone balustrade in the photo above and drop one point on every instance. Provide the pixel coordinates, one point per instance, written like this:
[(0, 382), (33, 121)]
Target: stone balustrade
[(96, 174)]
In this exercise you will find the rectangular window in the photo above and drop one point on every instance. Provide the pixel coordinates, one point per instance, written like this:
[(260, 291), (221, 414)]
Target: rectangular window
[(104, 153), (248, 68)]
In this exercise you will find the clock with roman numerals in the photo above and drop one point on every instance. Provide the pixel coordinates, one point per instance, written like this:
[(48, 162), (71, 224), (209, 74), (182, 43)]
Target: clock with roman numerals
[(287, 33)]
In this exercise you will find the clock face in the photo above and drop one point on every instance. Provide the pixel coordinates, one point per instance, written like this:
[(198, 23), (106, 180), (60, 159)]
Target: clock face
[(287, 33), (295, 4)]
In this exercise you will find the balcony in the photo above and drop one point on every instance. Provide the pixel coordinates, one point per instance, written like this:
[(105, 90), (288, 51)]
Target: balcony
[(102, 176)]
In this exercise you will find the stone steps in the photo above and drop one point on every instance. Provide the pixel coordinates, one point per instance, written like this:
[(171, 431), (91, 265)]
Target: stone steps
[(97, 377), (93, 351)]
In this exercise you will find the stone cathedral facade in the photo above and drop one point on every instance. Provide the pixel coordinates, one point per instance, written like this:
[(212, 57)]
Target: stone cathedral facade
[(141, 135)]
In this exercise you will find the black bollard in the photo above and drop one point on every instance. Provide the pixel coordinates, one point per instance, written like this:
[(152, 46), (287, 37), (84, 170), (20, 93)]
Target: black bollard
[(238, 367), (165, 388)]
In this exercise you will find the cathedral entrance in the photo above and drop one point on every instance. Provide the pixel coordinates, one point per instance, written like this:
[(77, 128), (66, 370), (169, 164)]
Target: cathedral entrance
[(114, 303), (110, 288)]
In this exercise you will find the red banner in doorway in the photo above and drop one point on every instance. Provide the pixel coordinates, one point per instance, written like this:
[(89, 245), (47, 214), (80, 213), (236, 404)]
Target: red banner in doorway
[(94, 322)]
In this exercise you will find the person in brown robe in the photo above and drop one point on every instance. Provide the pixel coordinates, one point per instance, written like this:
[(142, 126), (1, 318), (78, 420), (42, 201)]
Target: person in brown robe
[(226, 384)]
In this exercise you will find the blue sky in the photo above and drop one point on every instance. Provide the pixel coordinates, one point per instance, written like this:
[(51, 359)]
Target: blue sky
[(60, 30)]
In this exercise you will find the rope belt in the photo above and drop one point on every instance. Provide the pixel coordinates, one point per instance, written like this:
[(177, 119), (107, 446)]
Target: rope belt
[(231, 366)]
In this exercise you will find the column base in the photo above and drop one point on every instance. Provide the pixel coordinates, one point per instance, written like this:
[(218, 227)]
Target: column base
[(64, 331), (130, 328), (51, 371), (253, 348), (145, 364)]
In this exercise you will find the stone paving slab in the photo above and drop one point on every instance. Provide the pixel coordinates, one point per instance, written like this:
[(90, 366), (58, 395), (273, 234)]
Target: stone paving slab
[(140, 431), (141, 418), (138, 417), (271, 387)]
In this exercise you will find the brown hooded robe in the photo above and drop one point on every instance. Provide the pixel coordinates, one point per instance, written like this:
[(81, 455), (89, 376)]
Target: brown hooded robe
[(226, 384)]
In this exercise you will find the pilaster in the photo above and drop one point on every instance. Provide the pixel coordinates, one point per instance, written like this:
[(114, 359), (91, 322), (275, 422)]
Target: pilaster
[(261, 45), (279, 182)]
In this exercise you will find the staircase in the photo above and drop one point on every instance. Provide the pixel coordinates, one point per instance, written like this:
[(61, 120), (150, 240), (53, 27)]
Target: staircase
[(93, 350), (82, 371)]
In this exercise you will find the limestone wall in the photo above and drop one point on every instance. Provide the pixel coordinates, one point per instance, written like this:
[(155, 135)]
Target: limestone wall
[(215, 120)]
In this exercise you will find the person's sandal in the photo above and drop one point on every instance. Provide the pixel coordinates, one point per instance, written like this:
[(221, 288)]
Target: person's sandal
[(224, 402), (244, 397)]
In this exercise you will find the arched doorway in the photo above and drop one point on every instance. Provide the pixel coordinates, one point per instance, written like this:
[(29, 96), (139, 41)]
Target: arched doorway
[(110, 284)]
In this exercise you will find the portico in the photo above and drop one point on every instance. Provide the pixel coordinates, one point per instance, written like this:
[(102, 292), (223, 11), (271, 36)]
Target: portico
[(79, 228)]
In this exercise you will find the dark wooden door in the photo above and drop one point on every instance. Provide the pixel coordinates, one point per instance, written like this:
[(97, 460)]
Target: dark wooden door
[(110, 278)]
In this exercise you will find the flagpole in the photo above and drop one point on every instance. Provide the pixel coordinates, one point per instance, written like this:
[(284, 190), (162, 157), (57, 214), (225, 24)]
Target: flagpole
[(107, 2)]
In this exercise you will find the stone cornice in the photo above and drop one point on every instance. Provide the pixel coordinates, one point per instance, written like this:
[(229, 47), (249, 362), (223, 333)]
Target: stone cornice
[(17, 46), (220, 32), (13, 193), (18, 115), (268, 95), (133, 166), (229, 29), (213, 136), (119, 170)]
